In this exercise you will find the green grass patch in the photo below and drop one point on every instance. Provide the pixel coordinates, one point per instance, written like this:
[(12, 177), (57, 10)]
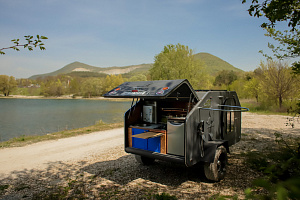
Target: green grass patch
[(260, 108), (27, 139)]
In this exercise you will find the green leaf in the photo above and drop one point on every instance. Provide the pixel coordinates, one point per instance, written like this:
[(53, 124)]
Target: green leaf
[(44, 38), (263, 183), (282, 193)]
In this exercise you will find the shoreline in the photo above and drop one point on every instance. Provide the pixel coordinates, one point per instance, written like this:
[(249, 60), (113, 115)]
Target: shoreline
[(62, 97), (25, 140)]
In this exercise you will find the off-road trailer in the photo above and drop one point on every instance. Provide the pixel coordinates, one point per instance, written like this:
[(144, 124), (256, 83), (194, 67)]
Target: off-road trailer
[(171, 121)]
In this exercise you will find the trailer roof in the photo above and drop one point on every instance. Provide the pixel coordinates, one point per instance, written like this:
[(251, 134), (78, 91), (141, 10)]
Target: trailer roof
[(152, 89)]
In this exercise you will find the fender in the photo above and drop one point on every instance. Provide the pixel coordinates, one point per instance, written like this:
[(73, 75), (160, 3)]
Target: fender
[(210, 148)]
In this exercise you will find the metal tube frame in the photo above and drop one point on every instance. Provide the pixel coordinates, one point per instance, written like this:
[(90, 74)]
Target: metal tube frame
[(242, 109)]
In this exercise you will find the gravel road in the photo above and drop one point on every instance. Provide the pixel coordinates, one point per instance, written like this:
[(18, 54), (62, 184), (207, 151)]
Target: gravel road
[(96, 166)]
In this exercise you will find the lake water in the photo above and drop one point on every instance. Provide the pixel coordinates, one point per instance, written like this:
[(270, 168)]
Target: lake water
[(42, 116)]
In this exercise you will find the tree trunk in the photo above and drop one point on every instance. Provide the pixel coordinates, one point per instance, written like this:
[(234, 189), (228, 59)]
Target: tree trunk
[(280, 101)]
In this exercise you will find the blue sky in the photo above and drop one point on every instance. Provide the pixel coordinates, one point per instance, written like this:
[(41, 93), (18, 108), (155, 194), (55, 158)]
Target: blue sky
[(107, 33)]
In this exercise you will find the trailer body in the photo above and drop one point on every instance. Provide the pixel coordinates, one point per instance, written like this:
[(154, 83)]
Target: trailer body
[(170, 121)]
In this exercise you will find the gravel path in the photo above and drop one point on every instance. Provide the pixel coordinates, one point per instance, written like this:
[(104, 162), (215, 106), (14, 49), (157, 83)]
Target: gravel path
[(39, 155), (95, 166)]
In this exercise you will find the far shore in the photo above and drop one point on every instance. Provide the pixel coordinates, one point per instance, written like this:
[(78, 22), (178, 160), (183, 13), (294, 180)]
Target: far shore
[(61, 97)]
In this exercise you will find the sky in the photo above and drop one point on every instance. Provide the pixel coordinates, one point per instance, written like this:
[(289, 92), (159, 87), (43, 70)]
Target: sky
[(106, 33)]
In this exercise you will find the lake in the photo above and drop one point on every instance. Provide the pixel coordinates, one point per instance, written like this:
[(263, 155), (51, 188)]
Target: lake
[(42, 116)]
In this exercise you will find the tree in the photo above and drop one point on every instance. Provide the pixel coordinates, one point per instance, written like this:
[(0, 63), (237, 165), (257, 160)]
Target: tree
[(139, 77), (253, 88), (276, 11), (112, 81), (92, 87), (7, 84), (225, 77), (29, 44), (280, 11), (277, 81), (74, 86), (176, 62)]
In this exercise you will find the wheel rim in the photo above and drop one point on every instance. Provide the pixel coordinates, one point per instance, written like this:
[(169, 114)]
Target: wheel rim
[(221, 165)]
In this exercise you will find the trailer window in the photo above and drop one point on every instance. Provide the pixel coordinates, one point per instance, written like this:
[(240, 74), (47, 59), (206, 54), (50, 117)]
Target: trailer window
[(230, 122)]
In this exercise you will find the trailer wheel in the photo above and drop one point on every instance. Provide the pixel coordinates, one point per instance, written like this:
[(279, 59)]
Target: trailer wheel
[(144, 160), (216, 171)]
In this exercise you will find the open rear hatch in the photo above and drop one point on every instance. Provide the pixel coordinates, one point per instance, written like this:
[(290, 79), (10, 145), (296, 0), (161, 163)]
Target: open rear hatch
[(160, 89), (158, 119)]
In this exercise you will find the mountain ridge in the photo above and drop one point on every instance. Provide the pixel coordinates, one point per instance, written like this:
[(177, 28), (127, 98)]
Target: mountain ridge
[(213, 65)]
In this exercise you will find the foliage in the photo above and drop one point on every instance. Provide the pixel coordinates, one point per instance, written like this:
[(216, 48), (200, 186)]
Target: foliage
[(280, 11), (29, 44), (139, 77), (112, 81), (253, 88), (277, 81), (276, 11), (225, 77), (177, 62), (53, 88), (281, 169), (7, 84), (287, 38), (288, 47), (92, 87), (164, 196)]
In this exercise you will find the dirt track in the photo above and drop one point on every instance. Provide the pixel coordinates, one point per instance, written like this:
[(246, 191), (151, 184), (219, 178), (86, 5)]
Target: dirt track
[(98, 163)]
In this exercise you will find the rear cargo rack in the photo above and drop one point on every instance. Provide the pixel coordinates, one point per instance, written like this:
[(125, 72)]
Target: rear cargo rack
[(235, 108)]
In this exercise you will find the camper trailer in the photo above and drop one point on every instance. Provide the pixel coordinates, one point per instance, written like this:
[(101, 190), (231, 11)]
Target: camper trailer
[(169, 120)]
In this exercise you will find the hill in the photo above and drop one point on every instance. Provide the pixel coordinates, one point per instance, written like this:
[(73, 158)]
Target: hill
[(213, 66), (84, 70)]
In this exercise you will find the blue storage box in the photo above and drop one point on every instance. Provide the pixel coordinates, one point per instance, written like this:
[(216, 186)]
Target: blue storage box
[(154, 144), (139, 142), (150, 144)]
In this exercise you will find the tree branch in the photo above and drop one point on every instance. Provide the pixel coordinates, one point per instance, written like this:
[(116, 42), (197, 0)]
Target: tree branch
[(29, 45)]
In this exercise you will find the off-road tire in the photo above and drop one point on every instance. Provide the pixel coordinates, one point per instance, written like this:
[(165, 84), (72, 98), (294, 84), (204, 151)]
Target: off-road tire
[(144, 160), (216, 170)]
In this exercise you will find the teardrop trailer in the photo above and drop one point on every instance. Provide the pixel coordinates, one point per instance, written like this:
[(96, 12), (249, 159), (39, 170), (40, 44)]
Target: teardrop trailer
[(171, 121)]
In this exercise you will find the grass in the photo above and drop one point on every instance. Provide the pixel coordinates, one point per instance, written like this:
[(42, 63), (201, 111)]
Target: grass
[(259, 108), (27, 139)]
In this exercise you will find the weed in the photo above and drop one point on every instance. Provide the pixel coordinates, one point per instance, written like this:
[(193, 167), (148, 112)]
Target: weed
[(3, 187), (165, 196)]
